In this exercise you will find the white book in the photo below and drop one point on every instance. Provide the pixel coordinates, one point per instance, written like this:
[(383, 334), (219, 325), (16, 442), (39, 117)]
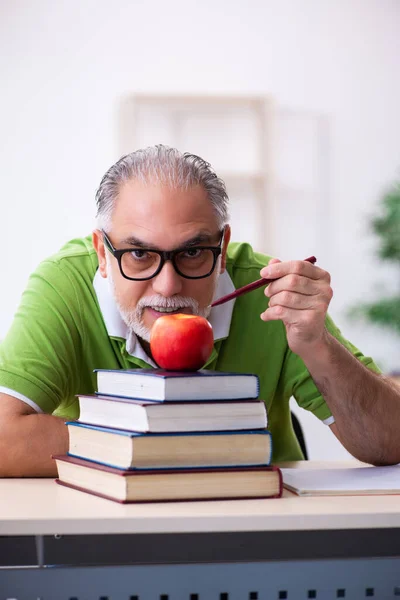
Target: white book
[(141, 415), (177, 386), (357, 481)]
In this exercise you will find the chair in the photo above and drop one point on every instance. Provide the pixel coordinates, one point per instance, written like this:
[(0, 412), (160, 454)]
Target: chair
[(299, 434)]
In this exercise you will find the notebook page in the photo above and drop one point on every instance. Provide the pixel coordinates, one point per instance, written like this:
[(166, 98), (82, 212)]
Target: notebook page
[(351, 480)]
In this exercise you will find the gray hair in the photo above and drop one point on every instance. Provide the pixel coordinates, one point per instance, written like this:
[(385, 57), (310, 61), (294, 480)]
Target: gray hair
[(166, 166)]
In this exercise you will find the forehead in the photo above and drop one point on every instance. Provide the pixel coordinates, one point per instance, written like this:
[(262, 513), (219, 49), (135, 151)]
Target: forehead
[(162, 215)]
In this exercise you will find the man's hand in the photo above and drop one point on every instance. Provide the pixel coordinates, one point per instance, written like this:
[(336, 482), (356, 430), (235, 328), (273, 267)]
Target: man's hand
[(299, 297), (366, 406)]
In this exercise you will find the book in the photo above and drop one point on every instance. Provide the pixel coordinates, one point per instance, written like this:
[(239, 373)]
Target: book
[(143, 416), (168, 485), (353, 481), (158, 384), (132, 450)]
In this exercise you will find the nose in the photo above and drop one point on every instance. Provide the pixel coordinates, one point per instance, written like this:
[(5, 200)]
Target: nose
[(167, 283)]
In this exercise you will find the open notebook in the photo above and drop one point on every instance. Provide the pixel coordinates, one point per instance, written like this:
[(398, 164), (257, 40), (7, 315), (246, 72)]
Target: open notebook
[(343, 482)]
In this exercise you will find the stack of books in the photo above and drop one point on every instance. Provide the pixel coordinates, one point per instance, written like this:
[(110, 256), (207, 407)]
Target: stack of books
[(149, 435)]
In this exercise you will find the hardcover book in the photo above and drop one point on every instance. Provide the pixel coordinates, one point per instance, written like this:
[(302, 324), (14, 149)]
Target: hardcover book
[(132, 450), (169, 485), (158, 384), (143, 416)]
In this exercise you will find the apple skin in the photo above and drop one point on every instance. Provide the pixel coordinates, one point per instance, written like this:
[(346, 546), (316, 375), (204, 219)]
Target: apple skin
[(181, 342)]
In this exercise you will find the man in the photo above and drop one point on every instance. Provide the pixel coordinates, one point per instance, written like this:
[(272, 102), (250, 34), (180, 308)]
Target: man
[(93, 305)]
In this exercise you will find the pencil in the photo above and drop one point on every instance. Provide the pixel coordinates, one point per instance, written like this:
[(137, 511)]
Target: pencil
[(251, 286)]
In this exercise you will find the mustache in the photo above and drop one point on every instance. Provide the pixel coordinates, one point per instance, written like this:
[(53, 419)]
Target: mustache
[(175, 302)]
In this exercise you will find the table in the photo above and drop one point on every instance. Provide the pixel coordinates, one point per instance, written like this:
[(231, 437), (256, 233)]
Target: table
[(60, 544)]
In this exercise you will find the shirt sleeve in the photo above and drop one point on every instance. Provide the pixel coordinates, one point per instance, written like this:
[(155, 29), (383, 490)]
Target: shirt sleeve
[(299, 383), (40, 355)]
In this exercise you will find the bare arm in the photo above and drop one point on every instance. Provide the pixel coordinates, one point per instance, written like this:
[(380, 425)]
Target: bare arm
[(28, 439), (366, 406)]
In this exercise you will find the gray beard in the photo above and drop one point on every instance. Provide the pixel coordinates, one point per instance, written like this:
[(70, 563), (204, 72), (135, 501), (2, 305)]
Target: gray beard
[(133, 319)]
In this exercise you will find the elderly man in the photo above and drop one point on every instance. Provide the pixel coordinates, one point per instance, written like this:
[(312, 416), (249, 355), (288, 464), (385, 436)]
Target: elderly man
[(162, 246)]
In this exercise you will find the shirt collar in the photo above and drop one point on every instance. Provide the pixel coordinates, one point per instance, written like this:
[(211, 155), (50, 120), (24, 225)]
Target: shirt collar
[(220, 317)]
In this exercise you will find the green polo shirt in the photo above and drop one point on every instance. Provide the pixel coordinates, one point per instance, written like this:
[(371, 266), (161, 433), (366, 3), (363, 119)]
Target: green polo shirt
[(59, 336)]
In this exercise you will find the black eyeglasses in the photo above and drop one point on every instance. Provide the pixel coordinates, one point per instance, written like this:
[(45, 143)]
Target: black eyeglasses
[(191, 262)]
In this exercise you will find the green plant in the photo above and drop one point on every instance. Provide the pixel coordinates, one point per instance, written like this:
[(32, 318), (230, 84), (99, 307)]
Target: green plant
[(386, 225)]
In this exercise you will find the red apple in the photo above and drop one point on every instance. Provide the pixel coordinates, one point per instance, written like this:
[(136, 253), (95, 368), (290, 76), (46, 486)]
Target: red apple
[(181, 342)]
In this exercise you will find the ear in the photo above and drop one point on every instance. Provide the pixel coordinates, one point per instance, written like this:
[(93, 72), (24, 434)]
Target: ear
[(97, 239), (227, 237)]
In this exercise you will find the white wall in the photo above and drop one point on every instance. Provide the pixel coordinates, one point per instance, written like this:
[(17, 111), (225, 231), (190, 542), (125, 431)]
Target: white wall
[(65, 65)]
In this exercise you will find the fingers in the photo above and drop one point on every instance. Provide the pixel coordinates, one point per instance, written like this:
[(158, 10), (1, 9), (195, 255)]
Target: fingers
[(293, 282), (300, 287), (304, 318), (299, 296), (297, 276), (296, 267), (290, 299)]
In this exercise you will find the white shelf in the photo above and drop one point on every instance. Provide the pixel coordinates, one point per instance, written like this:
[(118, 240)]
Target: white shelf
[(275, 161), (233, 133)]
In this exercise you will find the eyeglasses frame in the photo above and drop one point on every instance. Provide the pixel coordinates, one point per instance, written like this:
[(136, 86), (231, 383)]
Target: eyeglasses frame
[(164, 255)]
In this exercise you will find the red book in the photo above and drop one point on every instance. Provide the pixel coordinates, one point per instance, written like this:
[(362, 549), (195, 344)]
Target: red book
[(169, 485)]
